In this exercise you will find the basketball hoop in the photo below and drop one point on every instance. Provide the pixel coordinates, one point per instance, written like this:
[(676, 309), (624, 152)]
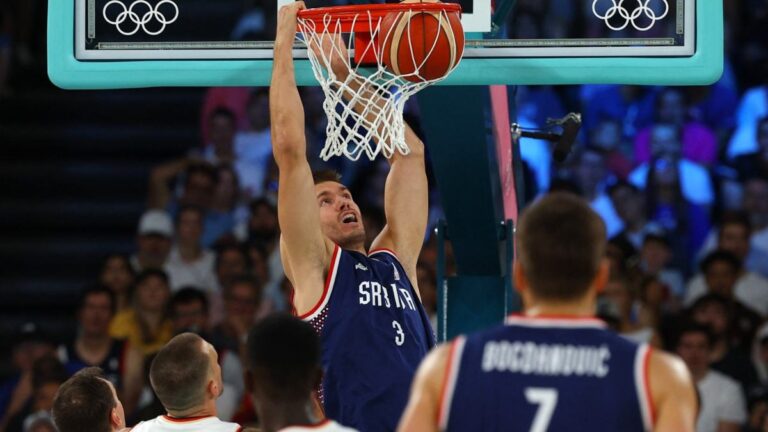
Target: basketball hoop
[(365, 107)]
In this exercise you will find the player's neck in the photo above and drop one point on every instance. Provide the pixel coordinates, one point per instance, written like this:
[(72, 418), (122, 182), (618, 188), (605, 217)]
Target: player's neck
[(208, 409), (283, 415), (579, 308)]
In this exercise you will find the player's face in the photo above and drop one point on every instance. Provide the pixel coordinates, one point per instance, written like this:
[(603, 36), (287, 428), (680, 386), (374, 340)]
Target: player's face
[(118, 409), (215, 372), (340, 217)]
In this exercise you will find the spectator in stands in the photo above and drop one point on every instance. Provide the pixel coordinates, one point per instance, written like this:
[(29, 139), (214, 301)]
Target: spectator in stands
[(606, 136), (241, 302), (200, 180), (88, 402), (118, 275), (47, 375), (751, 288), (755, 163), (189, 262), (667, 157), (93, 346), (231, 262), (631, 106), (760, 354), (146, 325), (264, 230), (591, 176), (186, 377), (629, 203), (153, 241), (732, 333), (228, 198), (254, 144), (752, 107), (283, 373), (29, 345), (699, 143), (619, 292), (756, 206), (189, 313), (658, 259), (722, 405)]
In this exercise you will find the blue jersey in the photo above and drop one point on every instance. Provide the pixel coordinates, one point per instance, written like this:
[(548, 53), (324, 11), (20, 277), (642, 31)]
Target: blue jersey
[(374, 333), (546, 374)]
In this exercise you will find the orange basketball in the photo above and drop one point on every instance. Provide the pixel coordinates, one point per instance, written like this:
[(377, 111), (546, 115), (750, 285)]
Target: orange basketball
[(421, 42)]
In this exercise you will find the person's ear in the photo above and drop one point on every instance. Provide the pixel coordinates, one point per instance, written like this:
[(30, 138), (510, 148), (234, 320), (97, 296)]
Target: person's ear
[(114, 418), (518, 276), (603, 273)]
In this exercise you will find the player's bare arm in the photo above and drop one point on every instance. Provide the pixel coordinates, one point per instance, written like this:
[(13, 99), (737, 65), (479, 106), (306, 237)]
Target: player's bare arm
[(406, 194), (424, 404), (673, 394), (303, 244)]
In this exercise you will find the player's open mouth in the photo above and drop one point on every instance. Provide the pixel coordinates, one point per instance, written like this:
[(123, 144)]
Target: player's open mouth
[(349, 218)]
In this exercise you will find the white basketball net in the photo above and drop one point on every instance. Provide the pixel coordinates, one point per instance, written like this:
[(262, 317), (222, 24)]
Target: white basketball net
[(365, 110)]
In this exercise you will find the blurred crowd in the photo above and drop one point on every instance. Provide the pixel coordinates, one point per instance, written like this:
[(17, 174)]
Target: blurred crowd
[(679, 175)]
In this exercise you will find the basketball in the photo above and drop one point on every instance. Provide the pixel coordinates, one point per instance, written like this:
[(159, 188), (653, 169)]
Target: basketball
[(422, 46)]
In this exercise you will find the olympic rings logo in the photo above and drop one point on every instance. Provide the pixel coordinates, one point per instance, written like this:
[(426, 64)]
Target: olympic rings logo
[(140, 22), (642, 9)]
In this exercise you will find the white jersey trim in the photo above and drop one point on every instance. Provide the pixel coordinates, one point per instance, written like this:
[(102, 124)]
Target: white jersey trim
[(449, 384), (642, 358), (333, 270)]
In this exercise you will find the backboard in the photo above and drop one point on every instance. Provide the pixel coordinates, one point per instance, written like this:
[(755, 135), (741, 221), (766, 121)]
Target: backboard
[(144, 43)]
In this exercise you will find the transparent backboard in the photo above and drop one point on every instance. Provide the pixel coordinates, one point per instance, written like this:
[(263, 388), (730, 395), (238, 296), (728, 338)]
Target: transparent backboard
[(142, 43)]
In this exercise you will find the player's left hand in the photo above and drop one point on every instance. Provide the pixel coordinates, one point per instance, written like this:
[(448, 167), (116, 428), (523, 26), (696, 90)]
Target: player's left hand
[(286, 22)]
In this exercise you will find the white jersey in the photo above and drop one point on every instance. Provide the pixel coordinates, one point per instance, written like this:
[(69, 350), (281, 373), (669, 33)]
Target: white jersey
[(192, 424), (323, 426)]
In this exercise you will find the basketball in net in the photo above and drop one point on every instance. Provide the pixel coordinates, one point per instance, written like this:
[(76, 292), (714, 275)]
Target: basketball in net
[(421, 45)]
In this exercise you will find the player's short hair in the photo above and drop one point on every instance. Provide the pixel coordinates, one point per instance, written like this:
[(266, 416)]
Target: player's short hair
[(84, 403), (179, 373), (284, 356), (323, 176), (561, 244)]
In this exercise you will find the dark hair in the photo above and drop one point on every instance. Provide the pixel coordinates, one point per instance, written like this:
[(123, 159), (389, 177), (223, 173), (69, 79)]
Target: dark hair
[(222, 111), (221, 250), (693, 327), (284, 356), (152, 272), (193, 208), (186, 295), (179, 373), (84, 403), (657, 237), (204, 168), (323, 176), (721, 256), (561, 244), (97, 290), (736, 218), (124, 258)]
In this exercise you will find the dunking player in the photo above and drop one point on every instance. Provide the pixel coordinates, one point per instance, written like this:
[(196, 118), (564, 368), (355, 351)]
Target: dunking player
[(365, 306), (554, 367)]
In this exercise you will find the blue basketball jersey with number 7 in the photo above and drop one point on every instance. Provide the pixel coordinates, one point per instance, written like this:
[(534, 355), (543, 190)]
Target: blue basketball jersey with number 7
[(374, 333), (547, 374)]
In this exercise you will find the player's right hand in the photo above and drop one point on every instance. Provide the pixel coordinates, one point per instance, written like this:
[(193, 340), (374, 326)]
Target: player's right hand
[(286, 22)]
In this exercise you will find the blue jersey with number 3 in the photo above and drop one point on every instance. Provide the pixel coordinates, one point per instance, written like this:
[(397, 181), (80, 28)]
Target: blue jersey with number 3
[(374, 334), (546, 374)]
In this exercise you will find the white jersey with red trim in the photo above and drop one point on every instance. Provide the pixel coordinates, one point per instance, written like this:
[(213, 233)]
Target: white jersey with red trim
[(546, 374), (165, 423), (324, 426)]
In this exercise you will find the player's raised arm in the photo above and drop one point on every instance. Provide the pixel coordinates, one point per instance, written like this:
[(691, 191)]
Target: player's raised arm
[(303, 243), (673, 394)]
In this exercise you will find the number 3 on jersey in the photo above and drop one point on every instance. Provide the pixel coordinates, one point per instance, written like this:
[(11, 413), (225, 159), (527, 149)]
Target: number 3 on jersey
[(546, 399), (399, 335)]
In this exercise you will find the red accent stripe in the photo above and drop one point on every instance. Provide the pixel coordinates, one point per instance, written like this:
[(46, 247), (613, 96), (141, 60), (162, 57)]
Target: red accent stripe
[(446, 377), (331, 269), (185, 419), (377, 250), (647, 383)]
